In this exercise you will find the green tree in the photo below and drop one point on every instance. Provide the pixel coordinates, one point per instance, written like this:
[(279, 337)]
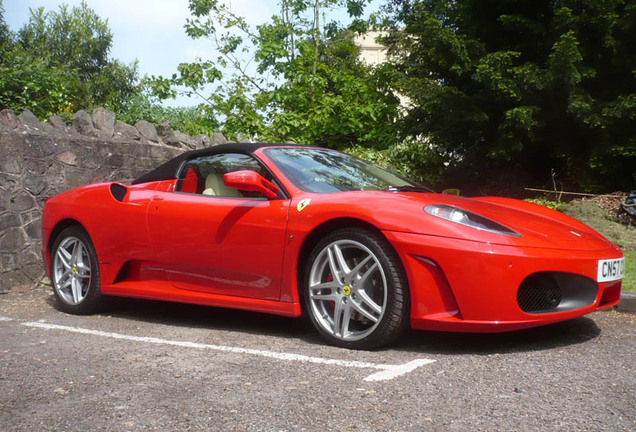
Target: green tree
[(536, 85), (295, 77), (77, 38), (59, 63)]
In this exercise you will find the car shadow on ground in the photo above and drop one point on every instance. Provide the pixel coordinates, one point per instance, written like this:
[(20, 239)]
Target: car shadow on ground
[(552, 336), (204, 317), (572, 332)]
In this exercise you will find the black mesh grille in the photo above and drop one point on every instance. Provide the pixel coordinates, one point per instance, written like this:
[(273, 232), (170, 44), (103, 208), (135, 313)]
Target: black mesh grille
[(538, 293)]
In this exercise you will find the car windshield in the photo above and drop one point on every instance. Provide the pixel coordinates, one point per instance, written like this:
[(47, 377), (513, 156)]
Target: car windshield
[(326, 171)]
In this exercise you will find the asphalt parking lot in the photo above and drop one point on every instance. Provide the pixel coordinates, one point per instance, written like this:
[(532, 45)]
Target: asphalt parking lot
[(146, 366)]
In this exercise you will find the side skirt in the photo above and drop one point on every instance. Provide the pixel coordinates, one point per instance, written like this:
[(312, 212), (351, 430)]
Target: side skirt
[(165, 291)]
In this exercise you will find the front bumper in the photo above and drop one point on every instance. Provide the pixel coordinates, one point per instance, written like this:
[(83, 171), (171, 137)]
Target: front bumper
[(468, 286)]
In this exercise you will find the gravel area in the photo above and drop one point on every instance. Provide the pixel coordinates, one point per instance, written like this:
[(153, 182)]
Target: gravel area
[(572, 376)]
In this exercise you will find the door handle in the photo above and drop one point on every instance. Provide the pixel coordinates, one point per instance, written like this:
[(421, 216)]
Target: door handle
[(157, 198)]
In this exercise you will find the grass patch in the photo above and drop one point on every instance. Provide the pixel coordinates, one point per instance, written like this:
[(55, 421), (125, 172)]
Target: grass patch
[(592, 215), (622, 236), (629, 283)]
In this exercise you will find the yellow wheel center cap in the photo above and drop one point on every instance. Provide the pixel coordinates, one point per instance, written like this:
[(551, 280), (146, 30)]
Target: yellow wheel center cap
[(74, 270), (346, 290)]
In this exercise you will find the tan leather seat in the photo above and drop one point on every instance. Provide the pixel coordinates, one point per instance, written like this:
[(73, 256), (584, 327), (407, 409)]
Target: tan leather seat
[(214, 185)]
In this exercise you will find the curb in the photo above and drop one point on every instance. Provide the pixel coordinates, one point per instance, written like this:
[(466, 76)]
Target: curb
[(627, 303)]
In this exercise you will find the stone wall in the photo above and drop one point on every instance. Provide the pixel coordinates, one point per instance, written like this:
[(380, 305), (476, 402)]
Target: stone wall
[(42, 159)]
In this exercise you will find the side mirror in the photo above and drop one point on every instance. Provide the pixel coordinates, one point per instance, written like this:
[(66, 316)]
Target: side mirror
[(250, 181)]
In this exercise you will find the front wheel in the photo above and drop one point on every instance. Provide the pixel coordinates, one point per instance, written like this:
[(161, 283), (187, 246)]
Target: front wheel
[(355, 291), (75, 272)]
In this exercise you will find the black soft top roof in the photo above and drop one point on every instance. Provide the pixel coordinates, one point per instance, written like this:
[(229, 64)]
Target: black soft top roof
[(168, 171)]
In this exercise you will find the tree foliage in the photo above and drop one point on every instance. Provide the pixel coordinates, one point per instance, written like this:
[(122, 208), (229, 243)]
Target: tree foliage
[(77, 38), (58, 62), (295, 77), (533, 84)]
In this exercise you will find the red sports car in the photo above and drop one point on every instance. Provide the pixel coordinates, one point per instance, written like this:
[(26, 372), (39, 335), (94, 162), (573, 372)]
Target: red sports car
[(295, 230)]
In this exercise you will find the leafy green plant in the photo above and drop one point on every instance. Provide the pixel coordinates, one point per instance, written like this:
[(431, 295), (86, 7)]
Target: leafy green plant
[(418, 161), (30, 84), (554, 205)]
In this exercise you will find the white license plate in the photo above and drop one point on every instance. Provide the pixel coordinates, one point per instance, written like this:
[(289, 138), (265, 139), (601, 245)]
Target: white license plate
[(610, 269)]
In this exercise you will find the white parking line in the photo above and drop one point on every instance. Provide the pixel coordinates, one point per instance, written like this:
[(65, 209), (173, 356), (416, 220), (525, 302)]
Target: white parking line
[(3, 318), (386, 372)]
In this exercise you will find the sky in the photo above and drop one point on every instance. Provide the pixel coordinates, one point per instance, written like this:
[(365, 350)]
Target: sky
[(150, 31)]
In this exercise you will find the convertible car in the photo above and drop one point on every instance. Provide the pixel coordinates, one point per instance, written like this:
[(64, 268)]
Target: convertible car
[(296, 230)]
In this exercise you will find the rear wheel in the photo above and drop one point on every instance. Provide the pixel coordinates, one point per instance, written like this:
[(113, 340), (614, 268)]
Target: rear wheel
[(75, 272), (355, 291)]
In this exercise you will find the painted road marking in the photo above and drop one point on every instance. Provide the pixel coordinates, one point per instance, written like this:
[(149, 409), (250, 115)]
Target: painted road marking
[(386, 372), (2, 318)]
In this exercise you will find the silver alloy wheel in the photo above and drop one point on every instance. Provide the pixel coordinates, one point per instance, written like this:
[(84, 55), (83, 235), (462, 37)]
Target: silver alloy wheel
[(71, 270), (347, 290)]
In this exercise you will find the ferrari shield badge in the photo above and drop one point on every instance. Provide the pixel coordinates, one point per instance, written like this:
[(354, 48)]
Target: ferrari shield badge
[(301, 205)]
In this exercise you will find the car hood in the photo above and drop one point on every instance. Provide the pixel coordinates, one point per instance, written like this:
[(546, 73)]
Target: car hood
[(536, 225)]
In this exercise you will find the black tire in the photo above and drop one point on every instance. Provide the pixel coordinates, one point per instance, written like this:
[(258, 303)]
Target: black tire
[(75, 272), (357, 309)]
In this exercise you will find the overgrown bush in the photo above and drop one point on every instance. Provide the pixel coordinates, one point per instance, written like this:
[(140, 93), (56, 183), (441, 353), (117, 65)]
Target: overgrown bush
[(191, 120)]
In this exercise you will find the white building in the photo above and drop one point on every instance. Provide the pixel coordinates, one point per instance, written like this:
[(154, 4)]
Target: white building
[(371, 52)]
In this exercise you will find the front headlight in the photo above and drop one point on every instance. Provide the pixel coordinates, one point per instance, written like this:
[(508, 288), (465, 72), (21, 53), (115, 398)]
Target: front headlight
[(464, 217)]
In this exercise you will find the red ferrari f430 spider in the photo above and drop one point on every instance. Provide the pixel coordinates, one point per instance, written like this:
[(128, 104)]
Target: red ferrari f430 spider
[(294, 230)]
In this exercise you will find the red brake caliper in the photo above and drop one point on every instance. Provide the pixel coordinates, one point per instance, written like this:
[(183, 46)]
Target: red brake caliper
[(331, 304)]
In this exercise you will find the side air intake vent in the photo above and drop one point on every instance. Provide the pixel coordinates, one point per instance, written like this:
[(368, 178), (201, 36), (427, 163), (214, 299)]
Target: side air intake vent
[(118, 191)]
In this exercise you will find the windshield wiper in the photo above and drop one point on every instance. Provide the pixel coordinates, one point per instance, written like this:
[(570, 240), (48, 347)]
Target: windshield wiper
[(408, 189)]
